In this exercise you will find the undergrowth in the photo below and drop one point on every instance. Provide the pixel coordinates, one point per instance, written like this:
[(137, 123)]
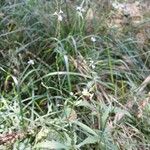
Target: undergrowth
[(68, 80)]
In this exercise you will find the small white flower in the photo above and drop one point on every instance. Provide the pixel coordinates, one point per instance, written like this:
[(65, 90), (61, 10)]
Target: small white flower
[(55, 13), (78, 8), (93, 39), (118, 6), (58, 105), (71, 93), (93, 66), (80, 11), (85, 92), (61, 12), (60, 18), (91, 61), (59, 15), (31, 62), (115, 5)]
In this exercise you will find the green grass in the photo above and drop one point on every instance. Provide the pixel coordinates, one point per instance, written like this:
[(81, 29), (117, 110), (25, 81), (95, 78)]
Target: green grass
[(61, 90)]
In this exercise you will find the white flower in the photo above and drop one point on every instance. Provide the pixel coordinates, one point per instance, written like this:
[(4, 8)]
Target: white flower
[(85, 92), (31, 62), (55, 13), (71, 93), (92, 64), (59, 15), (61, 12), (118, 6), (60, 18), (91, 61), (80, 11), (115, 5), (93, 39)]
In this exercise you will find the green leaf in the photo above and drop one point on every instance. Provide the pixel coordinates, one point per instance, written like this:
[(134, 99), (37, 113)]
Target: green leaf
[(125, 112), (85, 128), (69, 140), (89, 140), (105, 117), (84, 104), (51, 145)]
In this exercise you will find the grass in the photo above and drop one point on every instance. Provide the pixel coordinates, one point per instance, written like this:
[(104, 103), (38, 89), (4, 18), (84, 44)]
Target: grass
[(60, 89)]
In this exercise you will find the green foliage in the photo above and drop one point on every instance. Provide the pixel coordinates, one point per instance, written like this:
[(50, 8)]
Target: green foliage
[(68, 80)]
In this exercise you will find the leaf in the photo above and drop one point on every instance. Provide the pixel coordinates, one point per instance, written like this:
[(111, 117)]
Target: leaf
[(70, 114), (120, 113), (144, 83), (89, 140), (119, 110), (78, 103), (85, 103), (105, 117), (42, 134), (1, 14), (3, 69), (51, 145), (85, 128), (15, 80), (90, 14), (69, 140)]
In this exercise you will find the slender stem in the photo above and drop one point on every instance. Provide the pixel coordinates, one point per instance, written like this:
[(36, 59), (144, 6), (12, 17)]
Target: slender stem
[(67, 12), (21, 106)]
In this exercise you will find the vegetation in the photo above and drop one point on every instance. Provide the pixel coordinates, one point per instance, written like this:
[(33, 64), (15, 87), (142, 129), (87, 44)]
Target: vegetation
[(69, 80)]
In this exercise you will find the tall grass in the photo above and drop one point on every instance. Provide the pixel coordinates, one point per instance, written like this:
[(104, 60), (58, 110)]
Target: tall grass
[(68, 81)]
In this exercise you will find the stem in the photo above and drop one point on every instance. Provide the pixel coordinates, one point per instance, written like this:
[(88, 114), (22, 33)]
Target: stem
[(67, 12), (21, 106), (110, 66)]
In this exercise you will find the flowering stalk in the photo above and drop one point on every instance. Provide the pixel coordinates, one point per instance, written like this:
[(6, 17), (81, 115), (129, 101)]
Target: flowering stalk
[(67, 12), (59, 19)]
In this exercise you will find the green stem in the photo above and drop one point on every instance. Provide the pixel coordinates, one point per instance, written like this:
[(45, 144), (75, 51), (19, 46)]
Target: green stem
[(67, 12), (110, 66)]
